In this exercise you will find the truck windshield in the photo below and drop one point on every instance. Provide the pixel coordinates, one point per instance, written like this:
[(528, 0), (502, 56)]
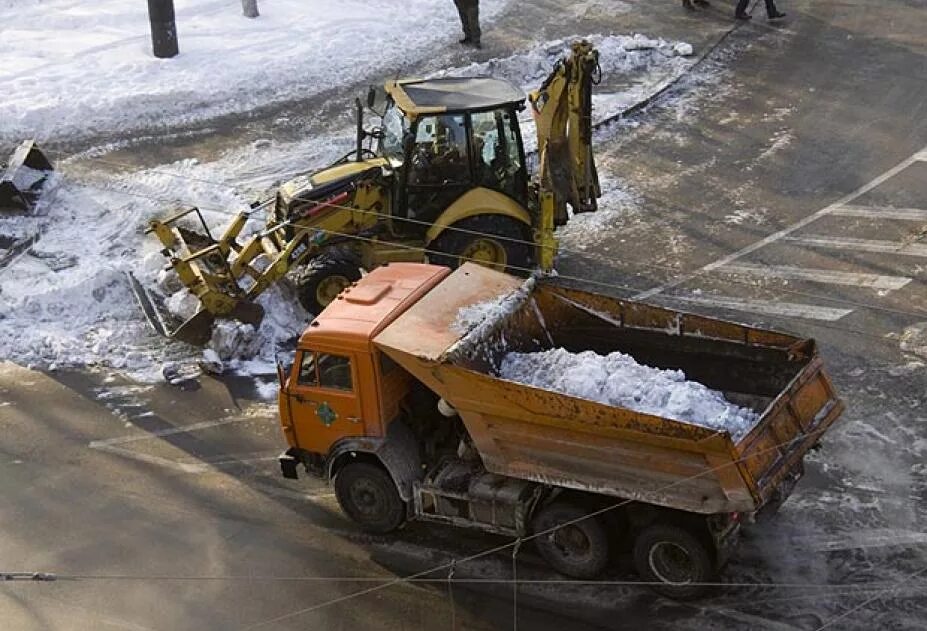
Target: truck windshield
[(394, 128)]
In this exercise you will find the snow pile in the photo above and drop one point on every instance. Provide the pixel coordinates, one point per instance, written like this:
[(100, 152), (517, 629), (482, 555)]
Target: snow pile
[(67, 301), (617, 380), (488, 313), (85, 69), (631, 66)]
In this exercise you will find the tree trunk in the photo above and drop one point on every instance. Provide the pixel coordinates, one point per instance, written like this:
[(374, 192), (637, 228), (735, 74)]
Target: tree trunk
[(249, 8), (163, 28)]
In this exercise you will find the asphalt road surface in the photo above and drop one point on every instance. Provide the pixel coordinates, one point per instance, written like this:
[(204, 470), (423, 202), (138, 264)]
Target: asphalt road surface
[(785, 184)]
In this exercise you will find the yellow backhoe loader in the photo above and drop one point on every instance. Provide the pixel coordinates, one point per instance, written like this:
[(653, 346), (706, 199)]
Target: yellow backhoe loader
[(444, 178)]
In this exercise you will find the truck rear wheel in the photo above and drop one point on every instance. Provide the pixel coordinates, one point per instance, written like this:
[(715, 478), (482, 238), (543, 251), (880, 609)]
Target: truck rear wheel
[(367, 494), (576, 546), (495, 241), (323, 278), (674, 560)]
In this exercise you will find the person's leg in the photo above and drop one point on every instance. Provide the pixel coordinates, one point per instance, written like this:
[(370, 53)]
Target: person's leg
[(462, 12), (473, 15), (771, 11), (741, 10)]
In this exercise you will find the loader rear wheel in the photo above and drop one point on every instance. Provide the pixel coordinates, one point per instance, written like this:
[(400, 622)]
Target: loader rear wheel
[(323, 278), (576, 544), (676, 561), (367, 494), (495, 241)]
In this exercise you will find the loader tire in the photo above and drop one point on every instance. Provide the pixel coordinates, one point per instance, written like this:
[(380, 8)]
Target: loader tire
[(572, 543), (323, 278), (675, 561), (368, 495), (477, 239)]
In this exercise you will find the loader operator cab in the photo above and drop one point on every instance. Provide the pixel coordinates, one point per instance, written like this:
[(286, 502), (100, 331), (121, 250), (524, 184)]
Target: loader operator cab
[(446, 137)]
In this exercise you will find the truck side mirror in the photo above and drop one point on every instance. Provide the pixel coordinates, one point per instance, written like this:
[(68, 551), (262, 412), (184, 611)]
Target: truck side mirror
[(281, 375), (371, 97)]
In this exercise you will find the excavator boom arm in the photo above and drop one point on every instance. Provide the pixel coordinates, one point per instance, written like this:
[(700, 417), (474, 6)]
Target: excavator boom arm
[(567, 173)]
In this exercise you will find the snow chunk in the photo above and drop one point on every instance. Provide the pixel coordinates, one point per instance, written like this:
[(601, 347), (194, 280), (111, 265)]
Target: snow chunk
[(618, 380)]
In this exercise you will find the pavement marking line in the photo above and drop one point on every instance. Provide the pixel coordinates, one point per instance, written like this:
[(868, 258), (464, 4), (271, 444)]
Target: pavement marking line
[(155, 460), (787, 309), (98, 444), (881, 212), (111, 445), (832, 277), (862, 245), (730, 258)]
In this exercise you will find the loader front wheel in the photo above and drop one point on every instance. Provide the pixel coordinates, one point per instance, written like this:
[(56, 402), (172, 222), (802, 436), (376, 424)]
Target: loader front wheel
[(323, 278), (367, 494), (495, 241)]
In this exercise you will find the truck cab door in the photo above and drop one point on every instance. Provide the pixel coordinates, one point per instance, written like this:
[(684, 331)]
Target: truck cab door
[(324, 400)]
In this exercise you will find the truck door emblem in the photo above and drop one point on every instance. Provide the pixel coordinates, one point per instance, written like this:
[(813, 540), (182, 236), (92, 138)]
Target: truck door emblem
[(326, 414)]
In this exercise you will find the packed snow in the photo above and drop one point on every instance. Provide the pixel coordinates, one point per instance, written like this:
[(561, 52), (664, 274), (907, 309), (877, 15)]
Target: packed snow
[(618, 380), (83, 69)]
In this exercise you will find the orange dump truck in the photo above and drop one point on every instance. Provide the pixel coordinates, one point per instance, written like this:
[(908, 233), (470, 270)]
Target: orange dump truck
[(399, 403)]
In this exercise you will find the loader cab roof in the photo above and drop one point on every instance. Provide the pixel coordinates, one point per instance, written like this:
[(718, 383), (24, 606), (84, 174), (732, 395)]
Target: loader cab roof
[(364, 309), (419, 97)]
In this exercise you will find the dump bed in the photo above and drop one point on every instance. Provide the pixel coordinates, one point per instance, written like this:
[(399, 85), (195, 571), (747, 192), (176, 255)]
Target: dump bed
[(548, 437)]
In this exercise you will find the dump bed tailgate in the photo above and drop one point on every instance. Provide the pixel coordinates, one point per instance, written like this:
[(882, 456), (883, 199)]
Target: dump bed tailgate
[(793, 423)]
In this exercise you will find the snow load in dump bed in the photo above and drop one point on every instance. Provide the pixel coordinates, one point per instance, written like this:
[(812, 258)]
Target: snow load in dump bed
[(627, 440)]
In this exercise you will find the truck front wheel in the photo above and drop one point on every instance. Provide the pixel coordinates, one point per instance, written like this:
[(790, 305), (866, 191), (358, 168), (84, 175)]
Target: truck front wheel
[(367, 494), (677, 563), (570, 541)]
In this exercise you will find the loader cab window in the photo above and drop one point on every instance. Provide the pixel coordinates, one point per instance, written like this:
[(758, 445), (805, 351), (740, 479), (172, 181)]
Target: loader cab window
[(326, 371), (395, 126), (438, 165), (498, 162)]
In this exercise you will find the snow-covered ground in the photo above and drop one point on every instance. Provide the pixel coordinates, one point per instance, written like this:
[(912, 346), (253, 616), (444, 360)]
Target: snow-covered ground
[(67, 301), (86, 68), (616, 379)]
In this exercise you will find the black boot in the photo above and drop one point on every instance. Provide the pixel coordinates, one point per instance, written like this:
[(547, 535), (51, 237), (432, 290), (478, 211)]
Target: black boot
[(777, 15), (703, 3), (687, 4)]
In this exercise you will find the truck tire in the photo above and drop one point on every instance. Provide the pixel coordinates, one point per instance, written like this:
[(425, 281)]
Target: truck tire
[(473, 239), (367, 494), (323, 278), (580, 549), (676, 561)]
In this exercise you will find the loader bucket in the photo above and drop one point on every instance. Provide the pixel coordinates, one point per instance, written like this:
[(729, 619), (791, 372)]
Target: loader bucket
[(195, 330), (22, 179)]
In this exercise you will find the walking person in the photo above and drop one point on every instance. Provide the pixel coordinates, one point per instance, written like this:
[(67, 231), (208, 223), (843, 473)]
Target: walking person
[(469, 11), (772, 12)]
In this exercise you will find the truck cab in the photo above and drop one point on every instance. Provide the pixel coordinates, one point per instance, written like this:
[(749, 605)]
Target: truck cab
[(342, 395)]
